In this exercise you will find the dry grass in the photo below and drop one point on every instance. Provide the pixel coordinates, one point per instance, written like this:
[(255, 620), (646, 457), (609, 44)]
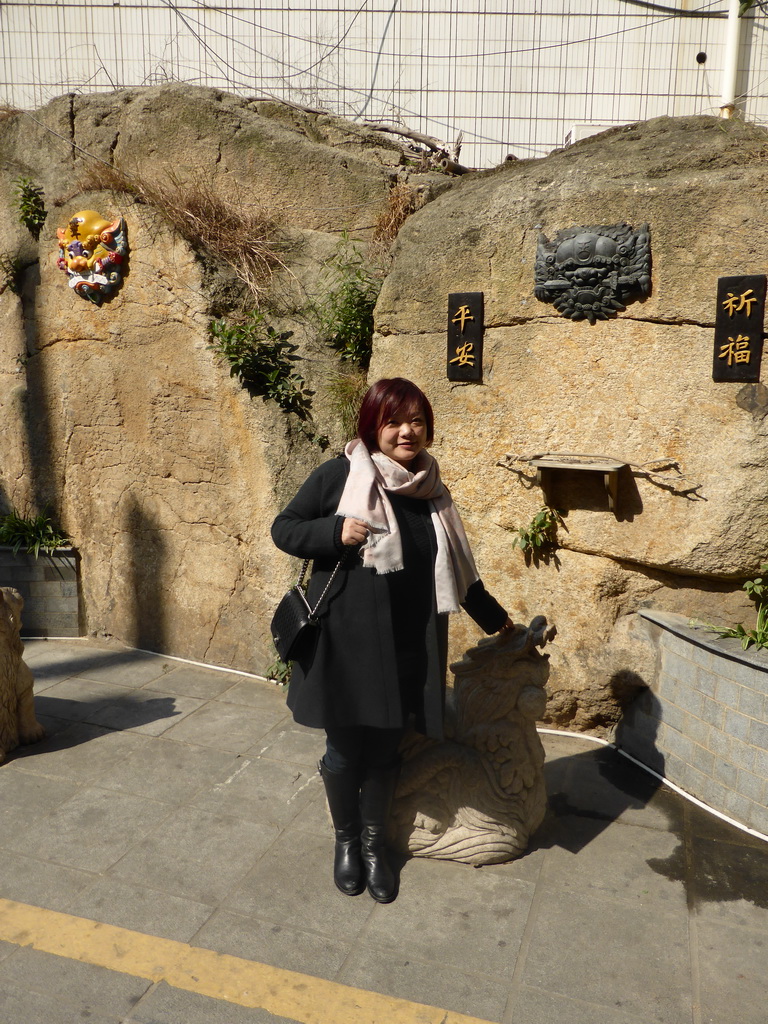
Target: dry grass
[(345, 388), (7, 111), (402, 201), (243, 238)]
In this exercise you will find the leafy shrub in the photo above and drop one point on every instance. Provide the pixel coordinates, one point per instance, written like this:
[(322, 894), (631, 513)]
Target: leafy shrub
[(264, 361), (30, 204), (539, 538), (345, 317)]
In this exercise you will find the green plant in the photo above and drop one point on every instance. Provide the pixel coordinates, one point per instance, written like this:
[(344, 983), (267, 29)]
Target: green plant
[(758, 591), (345, 317), (264, 361), (30, 204), (34, 533), (345, 388), (280, 670), (540, 536), (11, 268)]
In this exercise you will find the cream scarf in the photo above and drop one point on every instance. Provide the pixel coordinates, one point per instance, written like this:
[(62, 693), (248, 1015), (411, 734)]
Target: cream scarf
[(371, 476)]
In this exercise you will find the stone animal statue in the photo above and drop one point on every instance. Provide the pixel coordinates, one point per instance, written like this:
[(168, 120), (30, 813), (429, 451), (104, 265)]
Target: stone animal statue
[(477, 796), (17, 707)]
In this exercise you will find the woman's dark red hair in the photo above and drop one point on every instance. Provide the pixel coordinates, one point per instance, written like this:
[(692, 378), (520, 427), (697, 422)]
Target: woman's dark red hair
[(382, 400)]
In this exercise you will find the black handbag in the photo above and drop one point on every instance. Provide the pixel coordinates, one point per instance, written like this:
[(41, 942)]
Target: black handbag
[(295, 624)]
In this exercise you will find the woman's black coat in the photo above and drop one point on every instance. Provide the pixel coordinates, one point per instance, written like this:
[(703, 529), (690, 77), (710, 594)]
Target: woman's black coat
[(351, 677)]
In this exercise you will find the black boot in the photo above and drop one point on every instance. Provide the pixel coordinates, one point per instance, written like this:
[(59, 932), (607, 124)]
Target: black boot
[(376, 792), (343, 792)]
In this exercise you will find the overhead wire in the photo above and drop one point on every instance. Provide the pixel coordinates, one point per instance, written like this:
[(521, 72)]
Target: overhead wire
[(238, 78), (508, 52)]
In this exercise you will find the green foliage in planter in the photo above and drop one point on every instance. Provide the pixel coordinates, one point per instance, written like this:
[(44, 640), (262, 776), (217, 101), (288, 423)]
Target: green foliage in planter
[(10, 273), (540, 536), (345, 317), (758, 591), (30, 204), (33, 533)]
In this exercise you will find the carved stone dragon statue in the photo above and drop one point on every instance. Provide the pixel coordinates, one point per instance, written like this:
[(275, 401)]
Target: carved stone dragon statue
[(477, 796)]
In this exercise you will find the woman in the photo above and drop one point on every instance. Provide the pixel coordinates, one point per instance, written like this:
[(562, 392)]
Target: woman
[(381, 653)]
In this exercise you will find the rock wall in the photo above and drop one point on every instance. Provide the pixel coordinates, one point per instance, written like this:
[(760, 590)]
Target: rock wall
[(637, 388), (162, 470), (166, 474)]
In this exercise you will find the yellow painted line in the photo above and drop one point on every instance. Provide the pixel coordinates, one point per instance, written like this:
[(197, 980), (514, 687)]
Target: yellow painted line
[(299, 997)]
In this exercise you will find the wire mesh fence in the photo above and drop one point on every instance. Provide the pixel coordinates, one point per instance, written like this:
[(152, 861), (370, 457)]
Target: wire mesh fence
[(514, 76)]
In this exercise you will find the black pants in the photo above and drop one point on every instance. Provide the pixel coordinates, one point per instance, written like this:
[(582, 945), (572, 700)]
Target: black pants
[(361, 747)]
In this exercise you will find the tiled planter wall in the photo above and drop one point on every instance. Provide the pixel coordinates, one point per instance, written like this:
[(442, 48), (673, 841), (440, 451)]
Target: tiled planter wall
[(702, 724), (49, 586)]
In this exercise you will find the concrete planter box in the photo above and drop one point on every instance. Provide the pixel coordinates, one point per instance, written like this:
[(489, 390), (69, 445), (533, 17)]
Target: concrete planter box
[(50, 586), (703, 724)]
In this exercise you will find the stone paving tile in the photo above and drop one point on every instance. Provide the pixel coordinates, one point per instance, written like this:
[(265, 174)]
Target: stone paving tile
[(80, 753), (128, 668), (6, 948), (431, 982), (275, 943), (170, 771), (614, 862), (733, 966), (166, 1005), (314, 817), (294, 743), (19, 1006), (27, 879), (226, 726), (602, 782), (260, 790), (148, 712), (88, 992), (192, 681), (196, 854), (139, 909), (292, 884), (90, 831), (51, 726), (535, 1006), (593, 948), (729, 883), (456, 915), (256, 693), (76, 699), (31, 795)]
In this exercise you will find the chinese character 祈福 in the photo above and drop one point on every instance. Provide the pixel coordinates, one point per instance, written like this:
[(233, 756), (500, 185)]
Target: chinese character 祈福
[(737, 350), (464, 356), (461, 317), (735, 303)]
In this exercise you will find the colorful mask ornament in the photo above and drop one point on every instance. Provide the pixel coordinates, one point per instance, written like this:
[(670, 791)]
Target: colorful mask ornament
[(92, 252)]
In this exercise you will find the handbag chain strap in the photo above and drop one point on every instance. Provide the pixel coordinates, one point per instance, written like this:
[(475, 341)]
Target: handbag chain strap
[(303, 573)]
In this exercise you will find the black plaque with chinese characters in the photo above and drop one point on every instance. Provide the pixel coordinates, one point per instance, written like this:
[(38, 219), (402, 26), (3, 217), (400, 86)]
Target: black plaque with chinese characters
[(465, 336), (739, 328)]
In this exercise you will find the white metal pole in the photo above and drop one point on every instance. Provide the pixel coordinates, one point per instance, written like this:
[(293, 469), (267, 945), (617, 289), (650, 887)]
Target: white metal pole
[(731, 62)]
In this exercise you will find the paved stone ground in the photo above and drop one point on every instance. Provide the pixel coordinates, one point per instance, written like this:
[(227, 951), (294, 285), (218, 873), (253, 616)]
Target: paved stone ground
[(183, 803)]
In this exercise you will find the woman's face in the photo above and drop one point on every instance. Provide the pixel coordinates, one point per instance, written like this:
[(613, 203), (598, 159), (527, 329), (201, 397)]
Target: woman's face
[(403, 436)]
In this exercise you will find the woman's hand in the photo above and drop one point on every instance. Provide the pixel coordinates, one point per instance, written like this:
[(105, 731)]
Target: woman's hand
[(509, 624), (353, 531)]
